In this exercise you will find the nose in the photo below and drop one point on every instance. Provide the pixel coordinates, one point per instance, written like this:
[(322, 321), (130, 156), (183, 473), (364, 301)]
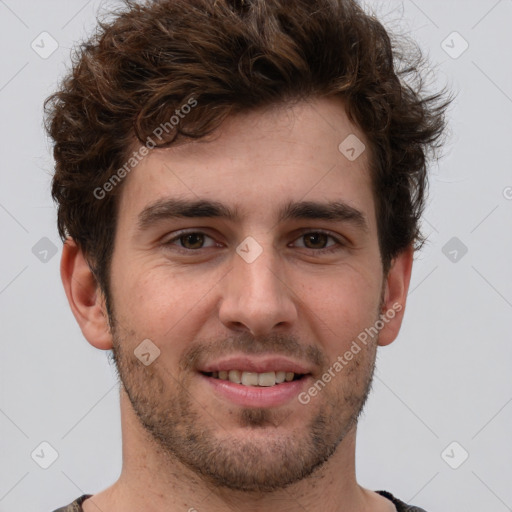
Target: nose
[(256, 296)]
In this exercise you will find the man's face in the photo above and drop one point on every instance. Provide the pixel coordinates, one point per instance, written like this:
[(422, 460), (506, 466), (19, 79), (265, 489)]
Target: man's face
[(292, 298)]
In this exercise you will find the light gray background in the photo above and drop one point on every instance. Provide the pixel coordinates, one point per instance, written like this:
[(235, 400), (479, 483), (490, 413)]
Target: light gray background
[(447, 378)]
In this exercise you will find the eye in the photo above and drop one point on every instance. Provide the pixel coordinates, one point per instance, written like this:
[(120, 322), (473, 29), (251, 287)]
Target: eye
[(190, 241), (317, 241)]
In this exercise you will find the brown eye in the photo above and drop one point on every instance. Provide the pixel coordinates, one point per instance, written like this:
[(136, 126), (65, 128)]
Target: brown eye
[(316, 240), (192, 240)]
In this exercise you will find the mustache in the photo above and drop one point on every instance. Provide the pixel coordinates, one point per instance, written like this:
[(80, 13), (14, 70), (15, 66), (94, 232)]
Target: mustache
[(277, 344)]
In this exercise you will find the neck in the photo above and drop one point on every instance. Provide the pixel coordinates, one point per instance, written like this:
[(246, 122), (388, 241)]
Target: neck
[(156, 482)]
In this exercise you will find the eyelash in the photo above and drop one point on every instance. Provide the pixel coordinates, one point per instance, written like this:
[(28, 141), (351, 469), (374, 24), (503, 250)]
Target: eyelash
[(339, 244)]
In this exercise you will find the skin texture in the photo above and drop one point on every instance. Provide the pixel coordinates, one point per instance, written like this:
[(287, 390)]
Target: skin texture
[(184, 446)]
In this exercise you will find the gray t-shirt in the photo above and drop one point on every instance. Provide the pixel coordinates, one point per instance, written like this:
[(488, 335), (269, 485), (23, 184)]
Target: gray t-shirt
[(76, 506)]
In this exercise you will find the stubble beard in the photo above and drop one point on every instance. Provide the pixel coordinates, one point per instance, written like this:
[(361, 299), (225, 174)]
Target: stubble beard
[(183, 433)]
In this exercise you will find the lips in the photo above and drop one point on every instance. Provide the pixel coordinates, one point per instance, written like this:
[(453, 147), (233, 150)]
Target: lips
[(265, 381), (256, 365)]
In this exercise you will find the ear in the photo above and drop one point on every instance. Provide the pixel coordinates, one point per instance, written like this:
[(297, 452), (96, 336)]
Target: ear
[(84, 295), (396, 286)]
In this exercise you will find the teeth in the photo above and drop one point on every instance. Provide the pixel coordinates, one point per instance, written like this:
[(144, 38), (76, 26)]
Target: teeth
[(234, 376), (265, 379), (249, 379)]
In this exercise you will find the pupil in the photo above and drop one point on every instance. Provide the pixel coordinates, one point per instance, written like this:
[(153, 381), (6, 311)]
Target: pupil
[(315, 236), (192, 236)]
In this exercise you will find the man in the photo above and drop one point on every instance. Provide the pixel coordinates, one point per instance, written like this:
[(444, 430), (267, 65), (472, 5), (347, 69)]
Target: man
[(239, 186)]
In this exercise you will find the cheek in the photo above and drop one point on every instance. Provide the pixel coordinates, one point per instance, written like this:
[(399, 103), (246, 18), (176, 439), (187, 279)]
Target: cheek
[(349, 287), (156, 301), (342, 304)]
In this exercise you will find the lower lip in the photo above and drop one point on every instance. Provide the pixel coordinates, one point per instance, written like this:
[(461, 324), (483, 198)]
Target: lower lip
[(257, 396)]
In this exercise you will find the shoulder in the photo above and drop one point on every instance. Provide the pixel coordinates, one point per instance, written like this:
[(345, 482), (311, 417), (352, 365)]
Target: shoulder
[(76, 506), (400, 505)]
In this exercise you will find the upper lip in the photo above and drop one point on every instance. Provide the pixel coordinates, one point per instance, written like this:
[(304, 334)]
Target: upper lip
[(261, 364)]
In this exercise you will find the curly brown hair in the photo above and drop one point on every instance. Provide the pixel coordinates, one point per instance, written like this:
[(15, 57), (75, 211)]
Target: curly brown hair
[(232, 56)]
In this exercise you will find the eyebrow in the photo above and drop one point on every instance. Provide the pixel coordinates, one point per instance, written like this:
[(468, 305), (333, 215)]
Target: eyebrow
[(166, 209)]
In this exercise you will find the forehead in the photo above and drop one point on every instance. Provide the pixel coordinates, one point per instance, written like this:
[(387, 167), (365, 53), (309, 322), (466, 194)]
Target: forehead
[(260, 161)]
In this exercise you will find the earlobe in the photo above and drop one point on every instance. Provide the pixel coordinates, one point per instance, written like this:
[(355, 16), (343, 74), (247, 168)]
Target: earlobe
[(85, 296), (396, 287)]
